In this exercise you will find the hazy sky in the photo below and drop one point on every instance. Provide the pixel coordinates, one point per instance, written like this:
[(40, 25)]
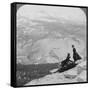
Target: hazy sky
[(20, 5), (38, 12)]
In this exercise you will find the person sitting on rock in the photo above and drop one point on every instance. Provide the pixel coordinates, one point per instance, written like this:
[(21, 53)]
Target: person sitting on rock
[(76, 56), (66, 60)]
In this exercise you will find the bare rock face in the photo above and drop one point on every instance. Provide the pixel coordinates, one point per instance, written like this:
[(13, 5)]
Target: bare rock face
[(76, 74), (70, 74), (81, 67), (81, 71), (82, 76), (51, 79)]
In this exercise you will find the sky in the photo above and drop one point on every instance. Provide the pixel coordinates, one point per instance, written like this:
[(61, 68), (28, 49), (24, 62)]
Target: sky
[(20, 5), (38, 12)]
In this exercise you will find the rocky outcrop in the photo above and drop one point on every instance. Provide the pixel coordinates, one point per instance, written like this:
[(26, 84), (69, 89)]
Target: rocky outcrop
[(77, 74)]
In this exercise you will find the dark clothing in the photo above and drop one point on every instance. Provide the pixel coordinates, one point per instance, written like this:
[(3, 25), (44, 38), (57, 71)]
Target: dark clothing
[(76, 56), (64, 63), (66, 60), (74, 50)]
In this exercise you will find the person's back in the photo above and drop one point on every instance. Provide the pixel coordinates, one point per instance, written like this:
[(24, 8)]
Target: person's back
[(68, 56), (66, 60)]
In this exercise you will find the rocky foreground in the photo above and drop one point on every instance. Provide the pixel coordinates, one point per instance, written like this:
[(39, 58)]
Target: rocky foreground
[(77, 74)]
